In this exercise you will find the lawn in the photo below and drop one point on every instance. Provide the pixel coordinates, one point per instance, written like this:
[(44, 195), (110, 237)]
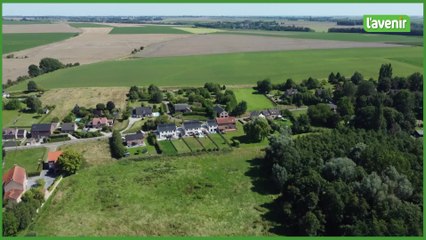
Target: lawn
[(137, 126), (27, 158), (219, 141), (207, 143), (120, 124), (207, 195), (181, 146), (254, 101), (96, 152), (148, 29), (193, 144), (88, 25), (13, 42), (167, 147), (234, 69), (241, 136), (12, 118)]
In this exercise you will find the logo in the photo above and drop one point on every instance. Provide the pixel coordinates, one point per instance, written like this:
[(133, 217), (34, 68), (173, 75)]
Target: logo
[(386, 23)]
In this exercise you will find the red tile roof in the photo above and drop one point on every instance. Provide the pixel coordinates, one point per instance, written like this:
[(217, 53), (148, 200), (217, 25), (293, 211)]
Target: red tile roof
[(97, 121), (53, 156), (16, 174), (13, 194), (227, 120)]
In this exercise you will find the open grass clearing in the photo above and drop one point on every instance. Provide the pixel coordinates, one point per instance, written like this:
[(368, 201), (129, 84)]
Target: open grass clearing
[(241, 137), (13, 42), (167, 147), (232, 69), (13, 118), (148, 29), (27, 158), (255, 101), (95, 152), (181, 146), (203, 195)]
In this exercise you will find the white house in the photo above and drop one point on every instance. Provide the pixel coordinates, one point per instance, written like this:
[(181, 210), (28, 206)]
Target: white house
[(211, 126), (192, 127), (166, 131)]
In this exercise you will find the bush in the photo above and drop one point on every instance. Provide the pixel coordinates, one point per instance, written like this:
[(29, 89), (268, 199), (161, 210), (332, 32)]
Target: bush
[(116, 144)]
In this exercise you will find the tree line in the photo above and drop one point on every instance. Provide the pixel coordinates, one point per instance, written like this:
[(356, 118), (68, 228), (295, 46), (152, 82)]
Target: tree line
[(255, 25)]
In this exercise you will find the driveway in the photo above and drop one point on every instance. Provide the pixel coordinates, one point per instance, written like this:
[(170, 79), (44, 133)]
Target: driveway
[(48, 178)]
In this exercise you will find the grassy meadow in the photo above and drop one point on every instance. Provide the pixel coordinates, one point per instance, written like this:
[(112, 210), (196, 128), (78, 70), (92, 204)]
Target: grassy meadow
[(205, 195), (13, 42), (13, 118), (234, 69), (254, 101), (148, 29), (27, 158)]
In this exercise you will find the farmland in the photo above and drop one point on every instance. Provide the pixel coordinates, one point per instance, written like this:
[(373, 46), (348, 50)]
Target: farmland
[(28, 159), (198, 30), (13, 42), (234, 69), (254, 101), (87, 25), (162, 197), (147, 29)]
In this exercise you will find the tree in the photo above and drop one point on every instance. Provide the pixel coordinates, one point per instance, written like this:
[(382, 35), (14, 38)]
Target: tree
[(301, 124), (384, 84), (385, 71), (13, 104), (264, 86), (332, 78), (151, 138), (157, 97), (345, 107), (149, 125), (34, 70), (322, 115), (403, 101), (50, 65), (289, 84), (153, 89), (10, 223), (32, 86), (34, 104), (366, 88), (357, 78), (415, 81), (100, 106), (256, 130), (110, 105), (240, 109), (70, 161), (116, 144), (312, 83)]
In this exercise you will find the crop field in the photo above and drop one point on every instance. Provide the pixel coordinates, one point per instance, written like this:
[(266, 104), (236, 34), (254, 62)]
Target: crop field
[(219, 141), (12, 118), (87, 25), (254, 101), (16, 22), (167, 147), (27, 158), (13, 42), (234, 69), (170, 197), (181, 146), (197, 30), (355, 37), (66, 99), (39, 28), (147, 29)]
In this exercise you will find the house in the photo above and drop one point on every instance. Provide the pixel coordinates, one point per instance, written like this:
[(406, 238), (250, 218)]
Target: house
[(182, 107), (418, 133), (9, 133), (42, 130), (69, 128), (266, 113), (52, 158), (134, 139), (290, 92), (226, 124), (14, 184), (101, 122), (256, 114), (220, 111), (21, 134), (273, 113), (168, 130), (211, 126), (192, 127), (333, 107), (141, 112)]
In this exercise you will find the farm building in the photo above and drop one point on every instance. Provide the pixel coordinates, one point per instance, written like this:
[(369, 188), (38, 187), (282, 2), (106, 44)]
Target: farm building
[(140, 112), (192, 127), (69, 128), (220, 111), (136, 139), (14, 184), (168, 130), (226, 124), (42, 130)]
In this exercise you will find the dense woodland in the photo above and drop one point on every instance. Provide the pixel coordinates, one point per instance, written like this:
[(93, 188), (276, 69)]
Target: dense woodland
[(257, 25)]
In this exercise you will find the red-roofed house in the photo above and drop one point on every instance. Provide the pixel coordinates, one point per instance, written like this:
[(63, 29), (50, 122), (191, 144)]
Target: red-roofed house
[(226, 124), (14, 184), (101, 122), (52, 158)]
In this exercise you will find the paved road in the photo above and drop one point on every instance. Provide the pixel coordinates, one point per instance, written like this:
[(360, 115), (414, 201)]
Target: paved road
[(48, 178)]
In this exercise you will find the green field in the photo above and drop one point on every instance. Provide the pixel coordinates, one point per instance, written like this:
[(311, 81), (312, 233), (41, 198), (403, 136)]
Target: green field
[(193, 144), (24, 120), (234, 69), (207, 143), (147, 30), (13, 42), (28, 159), (15, 22), (87, 25), (254, 101), (181, 146), (356, 37), (205, 195), (167, 147), (219, 141)]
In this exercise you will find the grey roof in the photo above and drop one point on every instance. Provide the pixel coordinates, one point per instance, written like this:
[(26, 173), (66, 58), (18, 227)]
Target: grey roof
[(68, 126), (420, 132), (136, 136), (11, 143), (192, 125), (181, 106), (211, 123), (274, 111), (142, 111), (42, 127), (167, 127), (266, 113), (254, 114), (218, 109)]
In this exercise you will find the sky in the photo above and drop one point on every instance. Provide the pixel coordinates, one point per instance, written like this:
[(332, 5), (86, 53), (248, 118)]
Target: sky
[(211, 9)]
